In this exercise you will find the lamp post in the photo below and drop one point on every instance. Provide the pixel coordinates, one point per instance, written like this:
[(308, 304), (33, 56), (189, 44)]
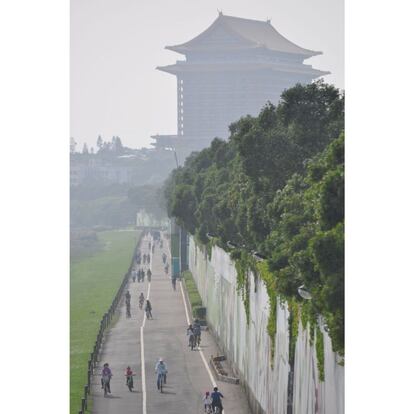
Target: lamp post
[(304, 293)]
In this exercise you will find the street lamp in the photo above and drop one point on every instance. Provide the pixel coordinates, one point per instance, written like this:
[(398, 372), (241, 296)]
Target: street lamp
[(258, 256), (231, 245), (304, 293)]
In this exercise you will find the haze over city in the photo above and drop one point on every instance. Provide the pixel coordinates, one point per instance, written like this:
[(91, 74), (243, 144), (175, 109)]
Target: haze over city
[(116, 45)]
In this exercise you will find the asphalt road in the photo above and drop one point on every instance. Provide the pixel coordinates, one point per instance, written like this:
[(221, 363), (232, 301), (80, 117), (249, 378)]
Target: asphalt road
[(163, 336)]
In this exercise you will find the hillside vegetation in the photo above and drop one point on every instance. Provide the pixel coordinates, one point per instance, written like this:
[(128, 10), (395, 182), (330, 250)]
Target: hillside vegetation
[(276, 187)]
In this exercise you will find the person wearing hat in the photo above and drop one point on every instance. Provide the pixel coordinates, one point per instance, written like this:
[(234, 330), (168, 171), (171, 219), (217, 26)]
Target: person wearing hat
[(161, 371)]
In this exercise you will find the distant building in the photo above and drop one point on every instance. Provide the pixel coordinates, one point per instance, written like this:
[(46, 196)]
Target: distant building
[(231, 69)]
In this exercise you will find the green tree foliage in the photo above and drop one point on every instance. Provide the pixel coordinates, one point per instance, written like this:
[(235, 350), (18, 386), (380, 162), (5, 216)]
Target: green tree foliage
[(277, 187)]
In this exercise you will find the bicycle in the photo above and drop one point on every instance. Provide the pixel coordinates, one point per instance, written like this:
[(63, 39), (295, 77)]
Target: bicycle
[(192, 341), (161, 380), (130, 382), (105, 383), (198, 339)]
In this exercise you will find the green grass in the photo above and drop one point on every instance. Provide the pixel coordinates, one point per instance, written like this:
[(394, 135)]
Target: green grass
[(94, 281), (193, 295)]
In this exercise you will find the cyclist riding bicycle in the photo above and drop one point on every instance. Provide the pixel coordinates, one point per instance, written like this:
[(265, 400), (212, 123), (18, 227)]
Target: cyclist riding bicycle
[(106, 376), (148, 309), (141, 300), (207, 402), (129, 380), (216, 396), (161, 371), (197, 331), (190, 334)]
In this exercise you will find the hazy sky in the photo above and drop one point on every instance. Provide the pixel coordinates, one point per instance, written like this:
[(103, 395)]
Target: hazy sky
[(116, 45)]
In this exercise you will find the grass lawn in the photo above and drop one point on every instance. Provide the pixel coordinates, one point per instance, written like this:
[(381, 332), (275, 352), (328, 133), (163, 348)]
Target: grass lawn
[(94, 281)]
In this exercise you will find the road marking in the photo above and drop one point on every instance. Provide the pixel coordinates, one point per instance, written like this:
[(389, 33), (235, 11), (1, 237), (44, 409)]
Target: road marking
[(144, 384), (203, 358), (199, 349)]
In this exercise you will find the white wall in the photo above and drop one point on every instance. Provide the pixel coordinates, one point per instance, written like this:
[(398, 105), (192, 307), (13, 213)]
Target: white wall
[(247, 346)]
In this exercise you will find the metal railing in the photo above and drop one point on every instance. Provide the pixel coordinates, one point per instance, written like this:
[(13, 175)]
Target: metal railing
[(105, 322)]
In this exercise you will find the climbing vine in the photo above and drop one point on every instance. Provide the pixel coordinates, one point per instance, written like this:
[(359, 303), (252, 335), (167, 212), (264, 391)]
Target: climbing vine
[(293, 329), (320, 354), (244, 264)]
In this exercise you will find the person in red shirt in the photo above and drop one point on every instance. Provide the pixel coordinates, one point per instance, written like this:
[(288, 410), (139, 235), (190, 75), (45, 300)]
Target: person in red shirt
[(129, 380)]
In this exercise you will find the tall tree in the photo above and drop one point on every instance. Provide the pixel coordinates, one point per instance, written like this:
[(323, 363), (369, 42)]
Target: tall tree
[(99, 142), (72, 145), (85, 149)]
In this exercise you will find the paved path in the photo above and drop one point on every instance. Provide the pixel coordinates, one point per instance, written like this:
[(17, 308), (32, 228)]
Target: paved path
[(164, 336)]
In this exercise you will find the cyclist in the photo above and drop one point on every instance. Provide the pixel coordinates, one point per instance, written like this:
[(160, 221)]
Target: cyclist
[(216, 396), (207, 402), (149, 274), (161, 371), (190, 334), (129, 380), (197, 331), (106, 375), (148, 309), (141, 300)]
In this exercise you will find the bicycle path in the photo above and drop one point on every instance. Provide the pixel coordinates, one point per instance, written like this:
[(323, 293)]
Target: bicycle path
[(164, 336)]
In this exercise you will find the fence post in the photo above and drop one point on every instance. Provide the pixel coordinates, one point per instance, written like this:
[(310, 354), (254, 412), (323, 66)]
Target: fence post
[(89, 380), (86, 395), (83, 404)]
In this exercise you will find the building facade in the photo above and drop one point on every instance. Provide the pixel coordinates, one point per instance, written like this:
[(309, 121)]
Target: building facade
[(230, 70)]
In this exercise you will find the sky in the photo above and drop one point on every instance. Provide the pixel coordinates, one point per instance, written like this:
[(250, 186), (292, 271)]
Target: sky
[(116, 45)]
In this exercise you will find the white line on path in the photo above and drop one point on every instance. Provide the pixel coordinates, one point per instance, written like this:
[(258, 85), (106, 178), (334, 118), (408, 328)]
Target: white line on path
[(199, 349), (144, 384), (210, 374)]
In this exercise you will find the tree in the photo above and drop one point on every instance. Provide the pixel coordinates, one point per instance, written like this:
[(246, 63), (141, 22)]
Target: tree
[(72, 145), (99, 142), (85, 149)]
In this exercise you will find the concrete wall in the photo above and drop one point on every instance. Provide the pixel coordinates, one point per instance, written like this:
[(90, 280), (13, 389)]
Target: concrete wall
[(248, 346)]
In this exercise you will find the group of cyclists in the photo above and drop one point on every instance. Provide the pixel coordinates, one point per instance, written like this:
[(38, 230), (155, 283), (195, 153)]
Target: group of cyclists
[(211, 401), (141, 301), (144, 259), (139, 275)]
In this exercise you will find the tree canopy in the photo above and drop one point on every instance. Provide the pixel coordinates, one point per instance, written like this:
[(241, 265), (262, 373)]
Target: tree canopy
[(276, 187)]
